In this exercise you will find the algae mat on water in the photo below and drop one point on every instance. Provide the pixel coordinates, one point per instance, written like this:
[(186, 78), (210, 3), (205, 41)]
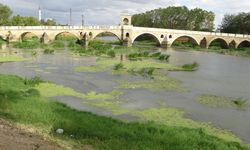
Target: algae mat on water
[(12, 59), (222, 101), (111, 102), (105, 64)]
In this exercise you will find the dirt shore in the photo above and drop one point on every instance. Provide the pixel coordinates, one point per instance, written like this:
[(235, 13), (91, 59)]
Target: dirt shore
[(14, 138)]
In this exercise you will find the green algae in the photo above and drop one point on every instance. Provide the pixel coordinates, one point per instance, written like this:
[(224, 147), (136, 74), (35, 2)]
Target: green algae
[(175, 117), (105, 64), (53, 90), (155, 84), (12, 59), (112, 103), (222, 101)]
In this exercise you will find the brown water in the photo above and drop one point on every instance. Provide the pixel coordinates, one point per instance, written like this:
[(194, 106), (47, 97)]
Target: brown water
[(218, 75)]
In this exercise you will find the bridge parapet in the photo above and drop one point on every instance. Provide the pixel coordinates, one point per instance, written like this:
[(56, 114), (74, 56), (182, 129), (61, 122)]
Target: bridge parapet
[(126, 32)]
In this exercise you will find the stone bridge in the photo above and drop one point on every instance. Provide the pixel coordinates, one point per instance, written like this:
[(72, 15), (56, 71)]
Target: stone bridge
[(126, 33)]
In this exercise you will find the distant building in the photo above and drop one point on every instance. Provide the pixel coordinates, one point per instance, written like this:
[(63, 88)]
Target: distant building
[(39, 14)]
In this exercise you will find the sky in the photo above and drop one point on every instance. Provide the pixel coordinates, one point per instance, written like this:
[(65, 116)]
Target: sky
[(107, 12)]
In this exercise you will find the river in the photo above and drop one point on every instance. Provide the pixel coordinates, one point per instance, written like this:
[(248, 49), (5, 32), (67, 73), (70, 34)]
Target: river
[(217, 75)]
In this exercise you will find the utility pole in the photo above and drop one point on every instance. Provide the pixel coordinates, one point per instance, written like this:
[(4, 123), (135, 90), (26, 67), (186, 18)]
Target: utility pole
[(70, 17), (82, 19)]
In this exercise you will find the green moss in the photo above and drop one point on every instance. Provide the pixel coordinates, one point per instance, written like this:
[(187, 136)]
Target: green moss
[(222, 101), (52, 90), (157, 83), (12, 59), (105, 64)]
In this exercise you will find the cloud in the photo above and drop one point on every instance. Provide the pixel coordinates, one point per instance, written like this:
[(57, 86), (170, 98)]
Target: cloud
[(107, 12)]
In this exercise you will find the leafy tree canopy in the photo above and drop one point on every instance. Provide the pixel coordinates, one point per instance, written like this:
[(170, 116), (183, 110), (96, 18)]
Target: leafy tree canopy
[(176, 18)]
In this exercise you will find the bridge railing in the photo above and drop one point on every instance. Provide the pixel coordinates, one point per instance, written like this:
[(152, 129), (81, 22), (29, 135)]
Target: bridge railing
[(172, 31), (57, 27)]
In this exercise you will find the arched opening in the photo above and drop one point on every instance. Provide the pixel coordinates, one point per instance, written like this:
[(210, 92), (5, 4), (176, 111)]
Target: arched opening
[(125, 21), (107, 37), (232, 44), (127, 35), (218, 43), (203, 43), (90, 35), (66, 36), (244, 44), (185, 41), (29, 36), (146, 39)]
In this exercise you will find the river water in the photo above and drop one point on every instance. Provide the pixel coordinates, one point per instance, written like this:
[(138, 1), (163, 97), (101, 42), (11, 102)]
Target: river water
[(217, 75)]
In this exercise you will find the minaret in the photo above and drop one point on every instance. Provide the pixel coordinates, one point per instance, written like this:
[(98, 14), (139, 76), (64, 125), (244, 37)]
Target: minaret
[(39, 14)]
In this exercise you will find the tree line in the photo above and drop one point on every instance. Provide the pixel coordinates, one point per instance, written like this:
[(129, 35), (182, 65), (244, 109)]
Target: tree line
[(6, 19), (236, 23), (176, 18)]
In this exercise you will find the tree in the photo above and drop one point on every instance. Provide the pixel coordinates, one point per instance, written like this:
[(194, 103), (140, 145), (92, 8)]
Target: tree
[(49, 22), (5, 13), (176, 18), (236, 23), (24, 21)]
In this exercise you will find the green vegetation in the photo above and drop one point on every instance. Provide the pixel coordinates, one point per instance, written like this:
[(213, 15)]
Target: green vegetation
[(176, 18), (222, 101), (119, 66), (191, 67), (106, 64), (23, 104), (27, 44), (155, 83), (6, 18), (12, 59), (236, 23), (48, 51), (184, 44)]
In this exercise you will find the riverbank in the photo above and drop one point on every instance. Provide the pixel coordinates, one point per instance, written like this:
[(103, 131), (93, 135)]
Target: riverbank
[(20, 137), (23, 98), (244, 52), (22, 103)]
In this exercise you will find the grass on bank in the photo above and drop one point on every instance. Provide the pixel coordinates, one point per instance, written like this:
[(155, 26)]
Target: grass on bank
[(22, 103)]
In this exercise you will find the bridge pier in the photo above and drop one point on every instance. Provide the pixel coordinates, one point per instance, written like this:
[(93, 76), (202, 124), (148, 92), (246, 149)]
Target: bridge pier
[(84, 40), (45, 38), (127, 42), (165, 44)]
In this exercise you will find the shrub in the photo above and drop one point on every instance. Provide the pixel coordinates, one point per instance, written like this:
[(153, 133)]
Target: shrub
[(48, 51), (33, 81), (119, 66), (111, 53), (164, 57), (191, 67)]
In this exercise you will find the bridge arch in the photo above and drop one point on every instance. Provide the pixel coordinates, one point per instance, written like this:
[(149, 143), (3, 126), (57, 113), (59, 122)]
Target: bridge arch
[(95, 35), (232, 44), (28, 35), (187, 38), (62, 35), (218, 42), (243, 44), (155, 38)]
